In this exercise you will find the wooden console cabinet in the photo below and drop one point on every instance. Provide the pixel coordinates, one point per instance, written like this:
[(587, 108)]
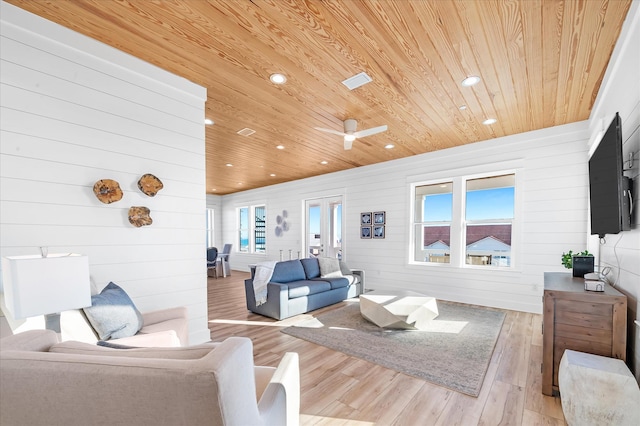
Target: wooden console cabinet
[(585, 321)]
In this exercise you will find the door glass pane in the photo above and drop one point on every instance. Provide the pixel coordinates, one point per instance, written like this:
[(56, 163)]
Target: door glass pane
[(313, 230), (324, 227), (260, 229), (334, 217)]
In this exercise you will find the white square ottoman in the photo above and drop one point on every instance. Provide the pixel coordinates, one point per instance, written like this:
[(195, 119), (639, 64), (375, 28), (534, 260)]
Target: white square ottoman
[(398, 309), (597, 390)]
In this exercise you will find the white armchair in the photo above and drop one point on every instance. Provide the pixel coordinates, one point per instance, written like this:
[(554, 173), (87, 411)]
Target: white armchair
[(73, 383)]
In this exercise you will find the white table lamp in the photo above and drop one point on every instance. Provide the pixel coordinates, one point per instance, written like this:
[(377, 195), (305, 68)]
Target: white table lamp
[(35, 285)]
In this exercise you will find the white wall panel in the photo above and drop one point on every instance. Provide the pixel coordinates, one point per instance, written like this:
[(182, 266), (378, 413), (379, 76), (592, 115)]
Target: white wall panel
[(74, 111)]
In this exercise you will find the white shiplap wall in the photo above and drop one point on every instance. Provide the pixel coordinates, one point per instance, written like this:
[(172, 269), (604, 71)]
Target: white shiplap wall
[(620, 92), (552, 192), (74, 111)]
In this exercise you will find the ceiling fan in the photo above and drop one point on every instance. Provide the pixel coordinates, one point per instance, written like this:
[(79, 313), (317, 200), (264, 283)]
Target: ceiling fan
[(350, 133)]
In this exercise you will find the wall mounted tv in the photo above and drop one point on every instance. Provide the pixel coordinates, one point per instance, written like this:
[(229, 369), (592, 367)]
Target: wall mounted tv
[(609, 189)]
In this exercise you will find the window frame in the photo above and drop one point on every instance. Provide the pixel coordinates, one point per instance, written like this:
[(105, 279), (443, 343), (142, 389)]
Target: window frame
[(252, 230), (458, 221), (467, 222), (425, 224), (210, 224)]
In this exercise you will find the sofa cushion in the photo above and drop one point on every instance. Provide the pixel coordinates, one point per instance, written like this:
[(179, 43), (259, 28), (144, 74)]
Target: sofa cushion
[(345, 269), (105, 349), (113, 314), (329, 267), (288, 271), (311, 267), (353, 279), (335, 282), (307, 287)]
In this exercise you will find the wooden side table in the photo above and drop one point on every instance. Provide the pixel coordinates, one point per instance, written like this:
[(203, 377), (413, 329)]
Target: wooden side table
[(584, 321)]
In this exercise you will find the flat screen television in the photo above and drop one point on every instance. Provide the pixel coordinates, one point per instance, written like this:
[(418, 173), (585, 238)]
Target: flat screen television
[(609, 189)]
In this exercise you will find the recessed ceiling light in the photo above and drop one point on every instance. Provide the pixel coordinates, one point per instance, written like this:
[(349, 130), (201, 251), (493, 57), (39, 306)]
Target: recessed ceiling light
[(324, 162), (229, 165), (208, 121), (470, 81), (389, 146), (462, 107), (278, 78), (213, 189), (280, 146), (489, 121), (272, 175)]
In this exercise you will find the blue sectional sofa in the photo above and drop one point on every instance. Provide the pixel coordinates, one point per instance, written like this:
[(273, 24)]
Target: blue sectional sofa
[(297, 286)]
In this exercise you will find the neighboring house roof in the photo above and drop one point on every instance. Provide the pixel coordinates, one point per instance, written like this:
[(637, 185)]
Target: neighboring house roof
[(433, 234), (488, 244), (438, 245), (502, 233), (480, 232)]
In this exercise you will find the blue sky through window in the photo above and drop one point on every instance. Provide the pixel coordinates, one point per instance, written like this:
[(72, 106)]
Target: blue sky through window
[(495, 203), (438, 207), (314, 220)]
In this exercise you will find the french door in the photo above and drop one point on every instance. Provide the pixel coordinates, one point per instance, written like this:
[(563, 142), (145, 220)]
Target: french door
[(323, 237)]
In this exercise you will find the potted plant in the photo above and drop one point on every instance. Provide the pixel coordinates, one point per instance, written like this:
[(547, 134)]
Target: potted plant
[(581, 263)]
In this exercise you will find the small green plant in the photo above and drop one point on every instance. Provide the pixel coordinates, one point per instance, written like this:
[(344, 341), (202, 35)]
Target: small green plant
[(567, 258)]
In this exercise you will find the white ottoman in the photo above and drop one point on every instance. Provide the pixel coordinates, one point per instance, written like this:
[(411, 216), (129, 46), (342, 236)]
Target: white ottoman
[(597, 390), (398, 309)]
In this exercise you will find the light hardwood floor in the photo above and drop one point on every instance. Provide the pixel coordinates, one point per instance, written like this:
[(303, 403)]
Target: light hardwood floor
[(337, 389)]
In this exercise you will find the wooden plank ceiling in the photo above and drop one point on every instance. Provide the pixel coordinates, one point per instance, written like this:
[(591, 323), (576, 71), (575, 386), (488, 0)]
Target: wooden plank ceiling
[(541, 63)]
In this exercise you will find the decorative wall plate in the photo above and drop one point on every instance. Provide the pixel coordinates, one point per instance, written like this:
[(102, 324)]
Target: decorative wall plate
[(139, 216), (107, 190), (150, 185)]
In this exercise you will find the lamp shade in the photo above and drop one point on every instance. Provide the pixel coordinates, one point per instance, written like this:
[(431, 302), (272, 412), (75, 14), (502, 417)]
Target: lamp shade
[(35, 285)]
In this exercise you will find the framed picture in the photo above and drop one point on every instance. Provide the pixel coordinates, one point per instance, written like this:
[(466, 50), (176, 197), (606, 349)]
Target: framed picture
[(365, 218), (379, 218), (365, 232), (378, 231)]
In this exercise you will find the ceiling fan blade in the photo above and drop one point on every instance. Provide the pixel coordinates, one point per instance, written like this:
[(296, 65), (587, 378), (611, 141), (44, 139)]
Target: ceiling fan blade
[(333, 132), (348, 144), (371, 131)]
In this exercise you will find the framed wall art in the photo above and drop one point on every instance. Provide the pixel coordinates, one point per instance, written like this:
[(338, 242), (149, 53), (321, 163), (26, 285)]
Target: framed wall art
[(378, 231), (365, 232), (365, 218), (379, 218)]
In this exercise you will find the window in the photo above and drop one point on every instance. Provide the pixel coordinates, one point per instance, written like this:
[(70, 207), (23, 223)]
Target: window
[(252, 229), (432, 230), (488, 220), (465, 221), (210, 228), (243, 232)]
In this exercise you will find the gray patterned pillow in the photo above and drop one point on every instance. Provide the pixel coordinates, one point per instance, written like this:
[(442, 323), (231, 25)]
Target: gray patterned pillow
[(329, 267), (112, 314)]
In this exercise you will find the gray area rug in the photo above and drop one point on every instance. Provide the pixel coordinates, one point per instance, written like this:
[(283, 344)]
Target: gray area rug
[(454, 352)]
